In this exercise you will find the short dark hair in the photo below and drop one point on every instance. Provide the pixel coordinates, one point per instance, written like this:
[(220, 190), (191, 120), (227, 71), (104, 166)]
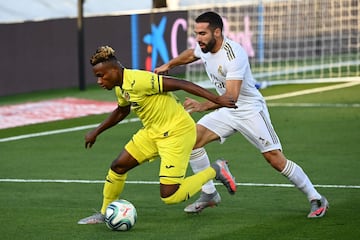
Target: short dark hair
[(214, 20), (103, 54)]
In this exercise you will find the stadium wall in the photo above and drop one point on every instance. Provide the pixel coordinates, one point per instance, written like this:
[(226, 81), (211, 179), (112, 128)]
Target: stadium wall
[(43, 55), (286, 40)]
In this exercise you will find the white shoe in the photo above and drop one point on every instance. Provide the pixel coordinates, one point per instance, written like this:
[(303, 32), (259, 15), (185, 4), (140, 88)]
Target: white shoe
[(223, 174), (318, 207), (93, 219), (205, 200)]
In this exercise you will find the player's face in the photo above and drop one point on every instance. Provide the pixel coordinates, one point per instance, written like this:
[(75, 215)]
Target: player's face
[(107, 75), (205, 37)]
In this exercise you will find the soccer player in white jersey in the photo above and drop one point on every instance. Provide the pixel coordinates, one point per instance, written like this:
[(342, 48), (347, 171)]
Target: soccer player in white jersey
[(228, 68)]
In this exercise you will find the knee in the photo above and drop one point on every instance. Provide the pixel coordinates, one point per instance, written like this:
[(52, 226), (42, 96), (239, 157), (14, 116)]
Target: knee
[(123, 163), (204, 136), (276, 159), (169, 194), (174, 199), (119, 168), (170, 200)]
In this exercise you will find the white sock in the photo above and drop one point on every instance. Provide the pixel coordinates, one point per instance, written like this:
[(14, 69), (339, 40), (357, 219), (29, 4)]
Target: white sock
[(199, 161), (297, 176)]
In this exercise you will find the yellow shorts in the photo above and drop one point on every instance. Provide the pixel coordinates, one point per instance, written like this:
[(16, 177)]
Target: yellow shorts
[(174, 150)]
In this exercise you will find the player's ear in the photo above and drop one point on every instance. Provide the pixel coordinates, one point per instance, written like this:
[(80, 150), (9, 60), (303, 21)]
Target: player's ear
[(217, 32)]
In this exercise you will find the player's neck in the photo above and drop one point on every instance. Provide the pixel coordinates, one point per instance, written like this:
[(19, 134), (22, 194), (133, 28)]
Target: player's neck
[(218, 45), (120, 76)]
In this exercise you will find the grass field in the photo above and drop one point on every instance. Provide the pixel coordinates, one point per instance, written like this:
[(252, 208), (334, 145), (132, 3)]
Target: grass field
[(322, 136)]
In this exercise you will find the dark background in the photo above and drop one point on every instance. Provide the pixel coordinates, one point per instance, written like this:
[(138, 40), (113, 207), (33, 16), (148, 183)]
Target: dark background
[(43, 55)]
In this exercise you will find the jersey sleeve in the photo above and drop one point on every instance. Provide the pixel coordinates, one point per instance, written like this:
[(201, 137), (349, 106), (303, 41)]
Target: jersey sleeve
[(147, 83), (237, 67), (155, 83), (137, 84)]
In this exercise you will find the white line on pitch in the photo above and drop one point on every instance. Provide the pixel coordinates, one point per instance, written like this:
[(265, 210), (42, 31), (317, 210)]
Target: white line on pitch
[(285, 95), (313, 90), (8, 180), (8, 139), (323, 105)]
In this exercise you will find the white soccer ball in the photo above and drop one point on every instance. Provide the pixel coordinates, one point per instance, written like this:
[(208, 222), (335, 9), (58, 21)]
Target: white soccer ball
[(120, 215)]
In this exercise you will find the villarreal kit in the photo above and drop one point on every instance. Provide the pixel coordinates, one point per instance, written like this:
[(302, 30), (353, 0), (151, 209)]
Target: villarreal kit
[(168, 130)]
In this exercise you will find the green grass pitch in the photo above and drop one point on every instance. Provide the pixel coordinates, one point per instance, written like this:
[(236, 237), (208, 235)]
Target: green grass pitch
[(323, 138)]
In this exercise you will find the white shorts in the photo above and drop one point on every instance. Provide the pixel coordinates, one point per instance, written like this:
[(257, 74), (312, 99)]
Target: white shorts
[(257, 129)]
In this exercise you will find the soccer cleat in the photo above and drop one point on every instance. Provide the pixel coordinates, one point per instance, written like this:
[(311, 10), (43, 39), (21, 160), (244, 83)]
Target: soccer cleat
[(205, 200), (223, 174), (93, 219), (318, 207)]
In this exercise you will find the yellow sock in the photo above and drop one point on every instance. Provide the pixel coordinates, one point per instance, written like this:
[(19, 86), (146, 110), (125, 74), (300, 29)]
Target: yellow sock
[(190, 186), (113, 187)]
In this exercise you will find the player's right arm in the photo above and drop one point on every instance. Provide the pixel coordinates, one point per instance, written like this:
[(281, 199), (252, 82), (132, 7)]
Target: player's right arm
[(173, 84), (114, 118), (185, 57)]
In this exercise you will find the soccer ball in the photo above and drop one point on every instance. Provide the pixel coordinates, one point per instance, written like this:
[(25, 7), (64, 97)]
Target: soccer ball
[(120, 215)]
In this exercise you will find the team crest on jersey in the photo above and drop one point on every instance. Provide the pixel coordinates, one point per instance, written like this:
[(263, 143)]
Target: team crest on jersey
[(220, 71), (264, 142), (126, 96)]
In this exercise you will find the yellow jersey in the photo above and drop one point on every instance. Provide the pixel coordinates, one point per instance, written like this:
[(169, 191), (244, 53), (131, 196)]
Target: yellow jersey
[(161, 112)]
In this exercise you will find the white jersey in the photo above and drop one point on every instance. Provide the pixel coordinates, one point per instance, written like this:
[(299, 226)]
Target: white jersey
[(231, 63)]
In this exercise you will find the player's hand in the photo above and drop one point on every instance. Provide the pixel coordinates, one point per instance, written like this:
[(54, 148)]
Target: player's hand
[(191, 105), (226, 101), (90, 139), (162, 70)]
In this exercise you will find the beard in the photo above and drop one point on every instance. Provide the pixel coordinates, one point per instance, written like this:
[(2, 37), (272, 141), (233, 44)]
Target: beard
[(209, 46)]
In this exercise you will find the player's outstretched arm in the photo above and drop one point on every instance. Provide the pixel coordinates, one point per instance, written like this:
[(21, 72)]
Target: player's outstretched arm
[(192, 105), (115, 117), (184, 57), (173, 84)]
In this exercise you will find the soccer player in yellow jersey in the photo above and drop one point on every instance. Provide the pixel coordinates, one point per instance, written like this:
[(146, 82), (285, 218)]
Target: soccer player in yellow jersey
[(169, 131)]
